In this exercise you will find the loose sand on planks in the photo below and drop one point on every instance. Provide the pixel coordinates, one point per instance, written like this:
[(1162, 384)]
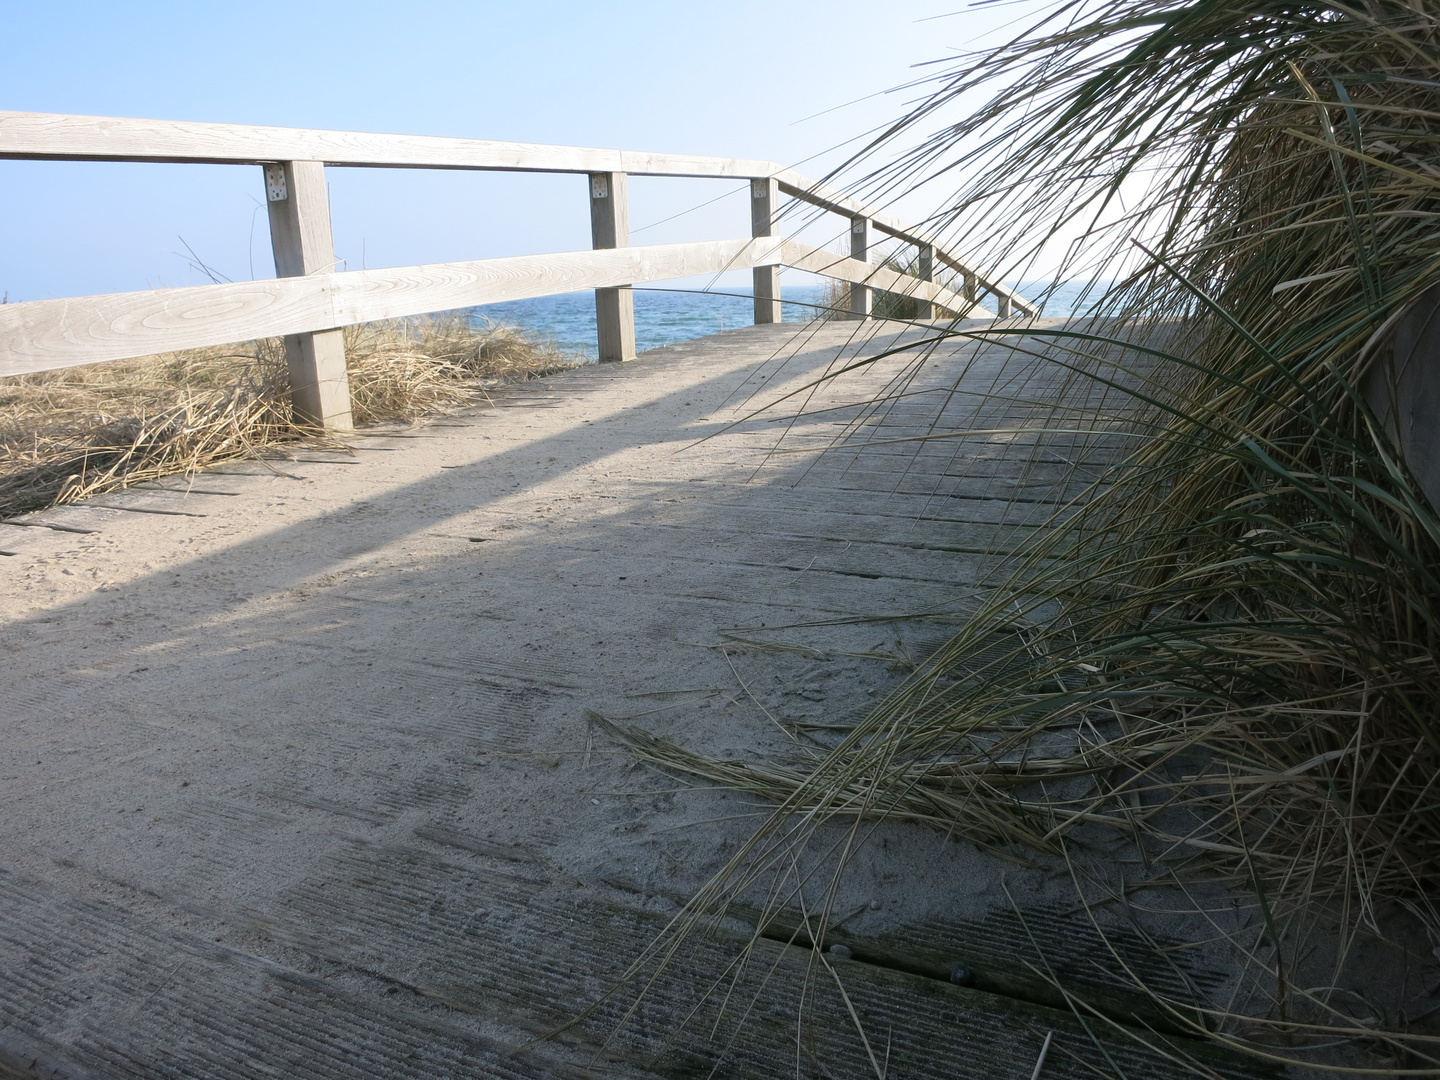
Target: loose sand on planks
[(215, 689)]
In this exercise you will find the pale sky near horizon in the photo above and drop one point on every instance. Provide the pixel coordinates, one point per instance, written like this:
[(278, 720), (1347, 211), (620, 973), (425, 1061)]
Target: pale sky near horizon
[(744, 79)]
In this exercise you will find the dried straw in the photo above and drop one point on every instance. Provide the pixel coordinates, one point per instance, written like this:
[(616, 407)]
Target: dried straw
[(1227, 651), (69, 434)]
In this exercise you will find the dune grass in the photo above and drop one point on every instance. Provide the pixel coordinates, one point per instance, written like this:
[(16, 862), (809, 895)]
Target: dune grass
[(1226, 653), (69, 434)]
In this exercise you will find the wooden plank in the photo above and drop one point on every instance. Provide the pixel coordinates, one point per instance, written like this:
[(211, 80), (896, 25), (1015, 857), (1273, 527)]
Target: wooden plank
[(427, 951), (1000, 292), (1403, 388), (43, 334), (820, 261), (319, 380), (925, 267), (51, 136), (301, 239), (859, 304), (40, 335), (299, 207), (764, 201), (610, 228), (800, 187), (58, 136)]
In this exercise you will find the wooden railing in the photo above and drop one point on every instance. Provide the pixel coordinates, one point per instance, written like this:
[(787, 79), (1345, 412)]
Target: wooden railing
[(310, 301)]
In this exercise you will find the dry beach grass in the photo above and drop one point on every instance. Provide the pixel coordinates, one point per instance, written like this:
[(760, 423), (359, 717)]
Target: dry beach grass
[(69, 434), (1224, 650)]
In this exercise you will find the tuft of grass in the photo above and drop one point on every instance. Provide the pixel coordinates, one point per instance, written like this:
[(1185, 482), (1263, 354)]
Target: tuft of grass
[(69, 434), (1225, 649)]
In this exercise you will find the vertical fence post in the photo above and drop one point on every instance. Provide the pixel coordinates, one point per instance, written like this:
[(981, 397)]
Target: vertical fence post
[(610, 228), (1402, 386), (859, 249), (968, 288), (301, 240), (1002, 305), (925, 268), (764, 200)]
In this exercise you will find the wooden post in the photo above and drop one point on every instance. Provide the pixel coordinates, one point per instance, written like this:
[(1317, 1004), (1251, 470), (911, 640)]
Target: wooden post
[(1402, 386), (1002, 305), (300, 237), (610, 228), (968, 288), (764, 201), (859, 249), (925, 267)]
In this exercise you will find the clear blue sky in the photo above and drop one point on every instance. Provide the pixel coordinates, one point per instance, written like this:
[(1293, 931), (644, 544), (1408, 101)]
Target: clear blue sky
[(742, 78)]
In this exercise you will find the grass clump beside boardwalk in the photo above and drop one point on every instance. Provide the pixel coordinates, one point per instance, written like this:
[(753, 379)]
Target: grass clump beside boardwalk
[(69, 434), (1227, 653)]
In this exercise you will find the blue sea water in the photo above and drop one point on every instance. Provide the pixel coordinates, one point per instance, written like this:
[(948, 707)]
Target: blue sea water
[(667, 316), (662, 317), (1065, 297)]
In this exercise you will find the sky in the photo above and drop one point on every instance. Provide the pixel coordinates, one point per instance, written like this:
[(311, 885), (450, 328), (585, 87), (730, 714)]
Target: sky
[(788, 81)]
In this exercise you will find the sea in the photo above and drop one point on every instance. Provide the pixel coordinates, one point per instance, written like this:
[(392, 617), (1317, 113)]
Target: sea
[(667, 316)]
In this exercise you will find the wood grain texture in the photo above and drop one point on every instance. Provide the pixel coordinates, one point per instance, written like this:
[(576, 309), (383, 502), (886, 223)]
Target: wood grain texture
[(610, 228), (925, 270), (300, 235), (860, 301), (820, 261), (57, 136), (794, 184), (104, 138), (303, 244), (45, 334), (319, 380), (765, 280), (42, 335)]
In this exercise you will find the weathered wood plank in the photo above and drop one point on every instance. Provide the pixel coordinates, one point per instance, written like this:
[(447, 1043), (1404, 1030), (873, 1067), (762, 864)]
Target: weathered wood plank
[(106, 138), (860, 296), (57, 136), (610, 228), (52, 136), (398, 849), (41, 335), (764, 201), (303, 244), (819, 261), (44, 334), (794, 184), (925, 267), (1403, 388)]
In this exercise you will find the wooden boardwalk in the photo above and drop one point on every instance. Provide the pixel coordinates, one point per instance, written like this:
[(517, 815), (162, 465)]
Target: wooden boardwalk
[(298, 779)]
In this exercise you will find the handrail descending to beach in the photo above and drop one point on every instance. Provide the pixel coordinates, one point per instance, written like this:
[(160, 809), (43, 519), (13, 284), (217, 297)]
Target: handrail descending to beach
[(309, 301)]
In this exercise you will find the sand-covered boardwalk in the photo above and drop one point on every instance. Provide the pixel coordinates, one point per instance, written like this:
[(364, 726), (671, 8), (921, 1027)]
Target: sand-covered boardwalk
[(297, 776)]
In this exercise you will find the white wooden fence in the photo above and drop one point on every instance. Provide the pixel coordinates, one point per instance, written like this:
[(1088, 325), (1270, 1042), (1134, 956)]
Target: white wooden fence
[(309, 301)]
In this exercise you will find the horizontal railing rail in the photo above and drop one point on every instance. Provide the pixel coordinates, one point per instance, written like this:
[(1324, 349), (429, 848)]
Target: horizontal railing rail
[(308, 302), (43, 335)]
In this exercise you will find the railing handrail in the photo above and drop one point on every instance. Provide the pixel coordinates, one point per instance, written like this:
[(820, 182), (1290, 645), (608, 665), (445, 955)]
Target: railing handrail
[(66, 137), (309, 304), (44, 335)]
